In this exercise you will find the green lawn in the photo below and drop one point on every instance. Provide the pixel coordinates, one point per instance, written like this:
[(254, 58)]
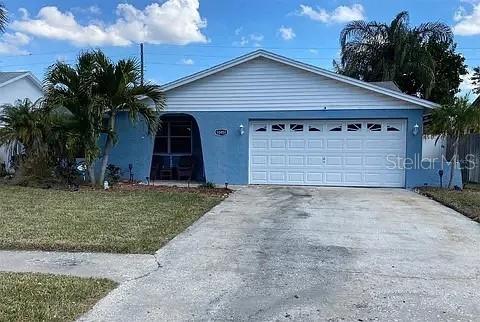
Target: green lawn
[(40, 297), (466, 202), (135, 221)]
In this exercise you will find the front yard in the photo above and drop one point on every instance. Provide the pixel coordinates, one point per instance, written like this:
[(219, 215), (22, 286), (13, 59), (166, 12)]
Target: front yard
[(122, 221), (41, 297), (466, 202)]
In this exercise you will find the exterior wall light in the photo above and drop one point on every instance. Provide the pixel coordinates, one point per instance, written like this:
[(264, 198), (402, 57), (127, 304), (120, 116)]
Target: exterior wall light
[(242, 131), (416, 129)]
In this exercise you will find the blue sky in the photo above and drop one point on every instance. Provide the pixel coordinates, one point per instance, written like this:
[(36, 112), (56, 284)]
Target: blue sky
[(185, 36)]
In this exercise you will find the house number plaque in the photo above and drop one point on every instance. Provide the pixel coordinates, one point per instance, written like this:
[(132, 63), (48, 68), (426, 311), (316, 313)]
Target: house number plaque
[(221, 132)]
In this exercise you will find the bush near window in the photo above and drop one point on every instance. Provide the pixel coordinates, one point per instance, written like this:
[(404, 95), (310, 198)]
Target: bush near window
[(113, 174)]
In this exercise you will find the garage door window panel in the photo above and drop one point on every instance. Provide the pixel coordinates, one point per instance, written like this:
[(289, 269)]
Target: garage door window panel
[(260, 128), (335, 128), (294, 127), (354, 127), (393, 128), (315, 128), (374, 127), (278, 127)]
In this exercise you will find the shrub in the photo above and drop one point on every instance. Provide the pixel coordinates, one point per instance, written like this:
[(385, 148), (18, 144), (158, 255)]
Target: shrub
[(208, 185), (36, 172), (113, 174)]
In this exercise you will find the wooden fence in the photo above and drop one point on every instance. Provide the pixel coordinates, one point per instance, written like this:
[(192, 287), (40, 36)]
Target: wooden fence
[(468, 152)]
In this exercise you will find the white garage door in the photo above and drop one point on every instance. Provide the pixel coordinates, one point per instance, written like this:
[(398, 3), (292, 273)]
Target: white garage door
[(333, 153)]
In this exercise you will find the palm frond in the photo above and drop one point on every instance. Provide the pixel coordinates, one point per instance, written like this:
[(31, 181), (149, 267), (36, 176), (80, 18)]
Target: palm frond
[(436, 30), (3, 18)]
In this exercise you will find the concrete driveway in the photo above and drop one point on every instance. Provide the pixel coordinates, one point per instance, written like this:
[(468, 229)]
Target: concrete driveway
[(277, 253)]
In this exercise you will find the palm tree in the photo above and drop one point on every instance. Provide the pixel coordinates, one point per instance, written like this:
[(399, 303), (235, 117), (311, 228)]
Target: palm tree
[(23, 123), (453, 121), (476, 80), (72, 88), (44, 135), (374, 51), (3, 18), (120, 90)]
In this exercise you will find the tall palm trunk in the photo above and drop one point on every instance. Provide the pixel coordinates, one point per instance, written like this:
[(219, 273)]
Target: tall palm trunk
[(107, 148), (453, 162), (91, 173)]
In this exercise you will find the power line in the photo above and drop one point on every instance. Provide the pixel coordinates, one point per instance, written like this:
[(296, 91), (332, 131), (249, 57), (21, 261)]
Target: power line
[(190, 46)]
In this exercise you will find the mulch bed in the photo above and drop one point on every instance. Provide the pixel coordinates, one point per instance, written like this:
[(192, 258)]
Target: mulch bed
[(127, 186)]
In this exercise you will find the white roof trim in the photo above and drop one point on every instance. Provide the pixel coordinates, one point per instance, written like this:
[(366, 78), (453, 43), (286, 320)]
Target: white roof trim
[(300, 65), (32, 78)]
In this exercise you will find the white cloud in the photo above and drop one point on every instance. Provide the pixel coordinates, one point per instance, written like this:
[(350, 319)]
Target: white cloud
[(23, 13), (92, 10), (466, 86), (459, 14), (340, 14), (243, 41), (286, 33), (467, 24), (172, 22), (12, 43), (254, 38), (187, 61), (95, 10), (313, 51)]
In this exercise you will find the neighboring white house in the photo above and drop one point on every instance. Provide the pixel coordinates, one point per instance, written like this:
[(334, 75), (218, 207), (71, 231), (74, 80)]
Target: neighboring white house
[(433, 149), (17, 86)]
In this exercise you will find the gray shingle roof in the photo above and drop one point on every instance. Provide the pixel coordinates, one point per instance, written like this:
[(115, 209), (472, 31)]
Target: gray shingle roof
[(6, 76)]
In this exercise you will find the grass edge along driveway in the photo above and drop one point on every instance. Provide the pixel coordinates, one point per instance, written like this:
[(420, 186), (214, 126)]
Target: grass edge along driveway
[(118, 221), (466, 202)]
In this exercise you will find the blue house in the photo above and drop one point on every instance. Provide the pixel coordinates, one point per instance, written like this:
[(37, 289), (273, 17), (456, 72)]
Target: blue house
[(267, 119)]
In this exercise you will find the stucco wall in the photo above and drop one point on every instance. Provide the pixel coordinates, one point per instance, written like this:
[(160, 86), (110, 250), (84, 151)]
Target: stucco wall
[(226, 158), (428, 175), (134, 147)]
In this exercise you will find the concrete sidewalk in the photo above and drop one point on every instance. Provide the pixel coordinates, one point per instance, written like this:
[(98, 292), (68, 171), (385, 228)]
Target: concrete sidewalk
[(117, 267)]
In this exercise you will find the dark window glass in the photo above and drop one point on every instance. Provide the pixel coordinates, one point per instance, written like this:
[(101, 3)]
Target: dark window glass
[(353, 127), (296, 127), (262, 128), (163, 130), (180, 129), (391, 128), (278, 127), (374, 127), (313, 128), (180, 145), (161, 145), (160, 162), (336, 128)]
